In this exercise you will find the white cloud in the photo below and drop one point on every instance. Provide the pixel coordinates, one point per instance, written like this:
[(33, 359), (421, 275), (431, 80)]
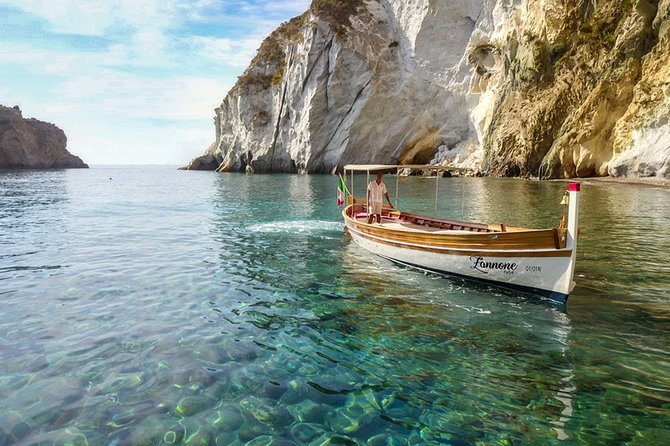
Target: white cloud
[(138, 97), (235, 53), (119, 117), (145, 89), (97, 17)]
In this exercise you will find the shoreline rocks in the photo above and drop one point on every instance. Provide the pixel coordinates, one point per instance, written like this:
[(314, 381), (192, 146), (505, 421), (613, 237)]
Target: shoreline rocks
[(33, 144)]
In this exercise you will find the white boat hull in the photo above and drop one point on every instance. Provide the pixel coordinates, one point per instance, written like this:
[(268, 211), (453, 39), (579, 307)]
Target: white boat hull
[(547, 276)]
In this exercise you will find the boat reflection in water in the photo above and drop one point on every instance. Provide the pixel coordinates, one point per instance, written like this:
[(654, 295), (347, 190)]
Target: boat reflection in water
[(454, 350)]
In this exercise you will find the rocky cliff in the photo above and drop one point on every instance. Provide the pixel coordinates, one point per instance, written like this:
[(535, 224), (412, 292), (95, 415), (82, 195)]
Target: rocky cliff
[(549, 88), (32, 144)]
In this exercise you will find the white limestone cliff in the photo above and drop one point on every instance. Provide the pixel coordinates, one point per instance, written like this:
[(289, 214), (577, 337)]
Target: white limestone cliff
[(556, 88)]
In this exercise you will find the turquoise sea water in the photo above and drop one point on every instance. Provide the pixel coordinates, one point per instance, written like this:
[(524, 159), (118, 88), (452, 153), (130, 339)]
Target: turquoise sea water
[(146, 305)]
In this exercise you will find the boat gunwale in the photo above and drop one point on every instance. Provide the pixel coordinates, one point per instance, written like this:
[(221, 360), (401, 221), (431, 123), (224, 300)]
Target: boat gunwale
[(464, 250), (545, 239)]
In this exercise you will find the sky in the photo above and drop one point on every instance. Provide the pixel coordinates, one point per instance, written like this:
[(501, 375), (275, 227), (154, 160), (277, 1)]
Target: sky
[(131, 81)]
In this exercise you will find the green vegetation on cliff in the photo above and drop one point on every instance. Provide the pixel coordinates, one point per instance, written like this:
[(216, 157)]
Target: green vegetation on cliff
[(337, 13), (578, 84), (268, 66)]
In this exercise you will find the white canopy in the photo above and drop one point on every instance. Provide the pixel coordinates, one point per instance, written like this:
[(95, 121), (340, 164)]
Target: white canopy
[(376, 167)]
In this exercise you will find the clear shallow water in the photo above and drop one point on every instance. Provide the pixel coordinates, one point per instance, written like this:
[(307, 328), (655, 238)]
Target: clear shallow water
[(169, 307)]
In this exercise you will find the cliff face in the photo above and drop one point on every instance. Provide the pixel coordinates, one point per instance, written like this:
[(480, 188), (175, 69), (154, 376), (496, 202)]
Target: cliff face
[(32, 144), (550, 88)]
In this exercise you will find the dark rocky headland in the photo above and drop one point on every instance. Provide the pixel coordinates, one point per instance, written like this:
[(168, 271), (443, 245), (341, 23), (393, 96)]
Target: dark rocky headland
[(33, 144)]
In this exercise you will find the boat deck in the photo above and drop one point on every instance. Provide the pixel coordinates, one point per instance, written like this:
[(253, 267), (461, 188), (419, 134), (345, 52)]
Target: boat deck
[(399, 225), (437, 232)]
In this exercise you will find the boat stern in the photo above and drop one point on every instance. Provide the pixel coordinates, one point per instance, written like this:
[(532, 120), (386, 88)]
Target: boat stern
[(573, 230)]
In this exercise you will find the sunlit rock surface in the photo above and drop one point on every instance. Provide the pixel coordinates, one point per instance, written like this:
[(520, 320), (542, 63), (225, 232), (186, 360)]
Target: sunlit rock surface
[(32, 144), (543, 88)]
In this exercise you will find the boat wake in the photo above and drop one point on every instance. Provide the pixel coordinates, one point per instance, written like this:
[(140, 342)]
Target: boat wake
[(297, 227)]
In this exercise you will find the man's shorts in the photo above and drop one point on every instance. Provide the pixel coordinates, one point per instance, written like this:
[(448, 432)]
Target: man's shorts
[(376, 207)]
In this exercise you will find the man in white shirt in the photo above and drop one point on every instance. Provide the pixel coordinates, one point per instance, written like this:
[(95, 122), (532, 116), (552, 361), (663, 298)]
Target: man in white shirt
[(376, 194)]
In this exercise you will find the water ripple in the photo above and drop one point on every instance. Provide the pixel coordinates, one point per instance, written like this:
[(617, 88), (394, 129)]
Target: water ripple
[(231, 309)]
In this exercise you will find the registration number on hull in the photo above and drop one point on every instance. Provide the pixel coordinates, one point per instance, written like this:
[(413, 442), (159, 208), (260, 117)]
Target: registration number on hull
[(485, 266)]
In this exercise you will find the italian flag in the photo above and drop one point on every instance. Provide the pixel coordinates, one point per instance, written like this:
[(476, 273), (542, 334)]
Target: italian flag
[(341, 190)]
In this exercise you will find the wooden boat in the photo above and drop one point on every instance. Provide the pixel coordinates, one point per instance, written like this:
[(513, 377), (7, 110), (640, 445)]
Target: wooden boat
[(537, 261)]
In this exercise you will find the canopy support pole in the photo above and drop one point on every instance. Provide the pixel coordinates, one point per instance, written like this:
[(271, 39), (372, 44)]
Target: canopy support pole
[(396, 189), (437, 184), (367, 182)]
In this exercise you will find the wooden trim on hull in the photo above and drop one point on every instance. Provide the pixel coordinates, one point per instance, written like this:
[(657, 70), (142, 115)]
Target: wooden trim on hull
[(457, 250), (472, 238)]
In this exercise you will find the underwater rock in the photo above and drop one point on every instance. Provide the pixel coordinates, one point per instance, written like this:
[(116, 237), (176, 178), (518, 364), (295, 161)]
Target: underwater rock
[(266, 411), (292, 365), (241, 350), (12, 427), (49, 401), (167, 398), (305, 432), (650, 436), (274, 390), (120, 416), (332, 440), (193, 376), (198, 432), (363, 405), (245, 380), (226, 438), (261, 440), (329, 389), (192, 405), (268, 440), (249, 431), (414, 439), (70, 436), (308, 370), (220, 388), (214, 354), (298, 391), (384, 440), (309, 412), (222, 379), (226, 418), (341, 421), (157, 429)]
